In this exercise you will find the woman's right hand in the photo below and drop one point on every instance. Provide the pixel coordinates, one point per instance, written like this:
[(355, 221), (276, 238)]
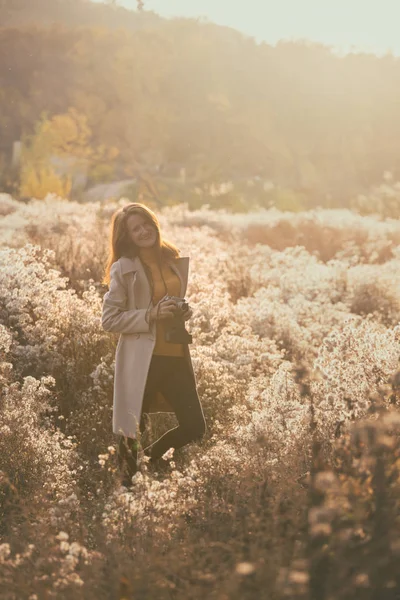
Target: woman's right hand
[(165, 310)]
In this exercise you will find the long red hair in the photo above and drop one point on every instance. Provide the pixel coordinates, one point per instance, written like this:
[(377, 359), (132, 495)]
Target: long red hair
[(120, 243)]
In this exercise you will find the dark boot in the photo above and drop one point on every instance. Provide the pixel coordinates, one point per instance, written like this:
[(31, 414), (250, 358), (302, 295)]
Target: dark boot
[(127, 459)]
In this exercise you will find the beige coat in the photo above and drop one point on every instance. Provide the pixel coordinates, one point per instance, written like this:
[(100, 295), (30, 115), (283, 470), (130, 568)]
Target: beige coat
[(123, 312)]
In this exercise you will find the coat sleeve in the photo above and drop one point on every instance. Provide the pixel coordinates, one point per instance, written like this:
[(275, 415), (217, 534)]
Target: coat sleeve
[(115, 316)]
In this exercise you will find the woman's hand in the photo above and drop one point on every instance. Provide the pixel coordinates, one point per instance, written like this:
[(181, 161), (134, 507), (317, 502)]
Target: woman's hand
[(187, 314), (164, 309)]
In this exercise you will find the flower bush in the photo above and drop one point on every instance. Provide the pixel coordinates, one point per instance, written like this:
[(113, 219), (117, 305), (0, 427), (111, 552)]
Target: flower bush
[(296, 354)]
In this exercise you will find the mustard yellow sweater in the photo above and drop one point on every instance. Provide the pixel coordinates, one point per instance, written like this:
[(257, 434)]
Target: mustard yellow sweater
[(173, 288)]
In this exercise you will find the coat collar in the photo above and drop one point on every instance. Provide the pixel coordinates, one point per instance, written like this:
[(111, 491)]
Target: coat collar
[(180, 265), (134, 264)]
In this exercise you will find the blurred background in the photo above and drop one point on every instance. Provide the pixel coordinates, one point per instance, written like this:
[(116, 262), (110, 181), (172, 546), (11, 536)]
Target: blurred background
[(295, 106), (266, 136)]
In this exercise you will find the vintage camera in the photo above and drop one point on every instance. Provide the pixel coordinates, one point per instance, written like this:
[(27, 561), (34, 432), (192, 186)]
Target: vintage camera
[(175, 331)]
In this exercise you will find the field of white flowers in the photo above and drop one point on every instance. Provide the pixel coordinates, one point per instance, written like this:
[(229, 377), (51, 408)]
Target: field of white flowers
[(293, 492)]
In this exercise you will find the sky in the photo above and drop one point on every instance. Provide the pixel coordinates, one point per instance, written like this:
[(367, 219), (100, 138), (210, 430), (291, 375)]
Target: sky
[(368, 25)]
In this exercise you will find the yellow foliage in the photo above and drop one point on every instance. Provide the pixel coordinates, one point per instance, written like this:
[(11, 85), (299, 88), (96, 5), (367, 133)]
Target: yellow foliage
[(65, 138), (69, 134), (38, 183), (63, 135)]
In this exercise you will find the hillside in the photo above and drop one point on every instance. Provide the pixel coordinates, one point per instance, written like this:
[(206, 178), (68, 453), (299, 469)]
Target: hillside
[(163, 95), (73, 13)]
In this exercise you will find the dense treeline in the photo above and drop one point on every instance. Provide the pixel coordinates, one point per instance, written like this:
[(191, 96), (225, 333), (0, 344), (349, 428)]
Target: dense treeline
[(194, 94), (72, 13)]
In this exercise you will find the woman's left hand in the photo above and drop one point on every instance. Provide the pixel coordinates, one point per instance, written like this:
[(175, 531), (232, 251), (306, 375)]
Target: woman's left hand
[(187, 314)]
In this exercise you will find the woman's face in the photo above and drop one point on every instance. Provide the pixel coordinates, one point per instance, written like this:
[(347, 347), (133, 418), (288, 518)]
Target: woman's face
[(142, 232)]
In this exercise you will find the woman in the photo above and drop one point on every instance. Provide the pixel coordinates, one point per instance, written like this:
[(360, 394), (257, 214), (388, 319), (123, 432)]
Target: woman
[(151, 373)]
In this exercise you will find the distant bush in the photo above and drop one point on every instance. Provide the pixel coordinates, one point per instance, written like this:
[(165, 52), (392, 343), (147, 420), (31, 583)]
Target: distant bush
[(382, 200), (38, 184)]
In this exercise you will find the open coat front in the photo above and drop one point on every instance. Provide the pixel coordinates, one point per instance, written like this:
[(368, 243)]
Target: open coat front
[(123, 312)]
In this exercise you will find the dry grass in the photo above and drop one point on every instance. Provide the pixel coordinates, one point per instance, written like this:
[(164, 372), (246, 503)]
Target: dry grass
[(294, 491)]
